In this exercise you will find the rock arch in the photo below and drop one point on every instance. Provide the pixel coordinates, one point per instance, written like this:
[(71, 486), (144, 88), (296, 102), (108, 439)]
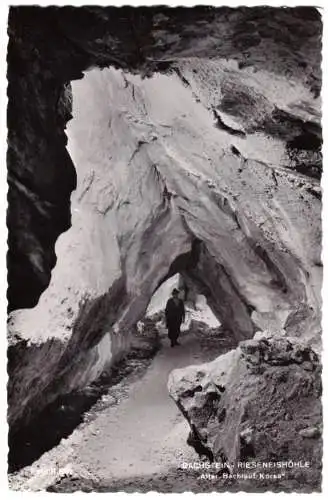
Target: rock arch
[(243, 229)]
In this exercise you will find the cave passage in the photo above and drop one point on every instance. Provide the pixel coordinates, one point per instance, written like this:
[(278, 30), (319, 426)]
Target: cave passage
[(150, 149), (201, 338), (93, 151), (143, 210)]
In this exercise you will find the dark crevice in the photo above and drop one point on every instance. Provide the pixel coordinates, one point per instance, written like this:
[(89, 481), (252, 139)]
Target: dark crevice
[(189, 393), (278, 279), (180, 75), (184, 262), (235, 151), (246, 449), (195, 442), (222, 294), (315, 192), (220, 387), (219, 123), (137, 150), (222, 415)]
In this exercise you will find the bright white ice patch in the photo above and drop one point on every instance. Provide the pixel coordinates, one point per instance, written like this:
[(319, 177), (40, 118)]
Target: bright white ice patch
[(202, 311)]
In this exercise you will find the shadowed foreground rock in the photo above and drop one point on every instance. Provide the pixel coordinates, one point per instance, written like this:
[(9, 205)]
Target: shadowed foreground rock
[(257, 403)]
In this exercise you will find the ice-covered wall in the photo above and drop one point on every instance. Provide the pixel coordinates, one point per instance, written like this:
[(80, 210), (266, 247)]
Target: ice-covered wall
[(191, 156)]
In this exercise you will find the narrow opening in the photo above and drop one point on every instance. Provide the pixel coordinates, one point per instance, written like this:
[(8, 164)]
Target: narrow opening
[(197, 309)]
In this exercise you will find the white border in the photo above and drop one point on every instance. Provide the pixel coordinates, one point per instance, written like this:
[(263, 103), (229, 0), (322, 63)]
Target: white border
[(4, 6)]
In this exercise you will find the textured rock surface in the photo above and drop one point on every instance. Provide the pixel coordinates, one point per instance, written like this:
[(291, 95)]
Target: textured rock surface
[(49, 47), (258, 403), (202, 169)]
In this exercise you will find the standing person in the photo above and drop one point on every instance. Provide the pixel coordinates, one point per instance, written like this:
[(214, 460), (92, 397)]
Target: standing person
[(175, 315)]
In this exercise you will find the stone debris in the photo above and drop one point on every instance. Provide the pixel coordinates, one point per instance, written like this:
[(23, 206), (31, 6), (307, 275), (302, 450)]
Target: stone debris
[(262, 393)]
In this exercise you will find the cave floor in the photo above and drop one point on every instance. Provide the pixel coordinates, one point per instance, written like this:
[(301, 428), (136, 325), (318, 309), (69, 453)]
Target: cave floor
[(140, 437)]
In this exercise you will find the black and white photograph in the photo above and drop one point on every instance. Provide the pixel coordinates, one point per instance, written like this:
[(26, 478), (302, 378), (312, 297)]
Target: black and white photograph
[(164, 248)]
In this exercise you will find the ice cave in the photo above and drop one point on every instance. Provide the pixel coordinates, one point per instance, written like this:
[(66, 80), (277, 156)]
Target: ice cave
[(153, 148)]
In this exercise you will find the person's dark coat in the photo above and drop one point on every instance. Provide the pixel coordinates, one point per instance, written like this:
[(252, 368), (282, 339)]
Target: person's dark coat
[(174, 312)]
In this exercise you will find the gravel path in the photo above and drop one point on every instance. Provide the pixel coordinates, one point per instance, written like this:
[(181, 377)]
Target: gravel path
[(143, 434)]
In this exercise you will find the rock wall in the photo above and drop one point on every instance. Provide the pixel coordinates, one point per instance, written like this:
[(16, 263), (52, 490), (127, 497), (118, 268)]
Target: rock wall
[(258, 403), (49, 47), (192, 167)]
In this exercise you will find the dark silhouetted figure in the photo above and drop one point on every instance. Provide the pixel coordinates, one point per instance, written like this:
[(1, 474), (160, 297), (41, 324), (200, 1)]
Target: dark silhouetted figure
[(175, 315)]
